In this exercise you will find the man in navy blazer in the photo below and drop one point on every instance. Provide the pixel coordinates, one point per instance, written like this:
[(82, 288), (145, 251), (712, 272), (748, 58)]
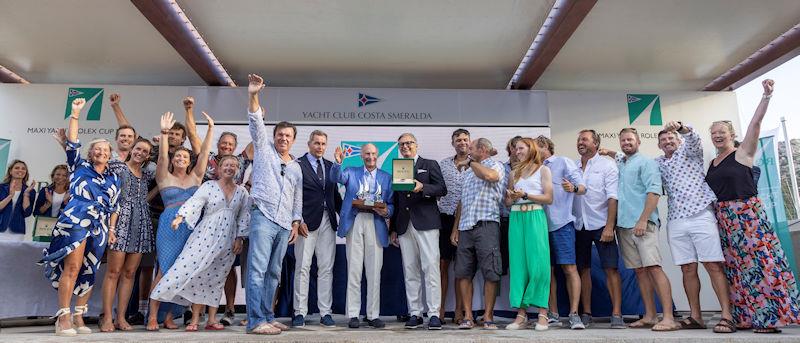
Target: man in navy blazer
[(415, 227), (366, 231), (321, 203)]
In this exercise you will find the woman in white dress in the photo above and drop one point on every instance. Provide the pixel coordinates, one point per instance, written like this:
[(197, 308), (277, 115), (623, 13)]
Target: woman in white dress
[(199, 273)]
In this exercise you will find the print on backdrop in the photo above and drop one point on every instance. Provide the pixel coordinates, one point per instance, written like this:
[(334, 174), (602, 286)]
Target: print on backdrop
[(94, 98), (769, 190), (387, 150)]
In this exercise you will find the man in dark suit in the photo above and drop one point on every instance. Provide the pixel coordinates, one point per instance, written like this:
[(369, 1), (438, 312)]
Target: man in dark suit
[(321, 203), (415, 227)]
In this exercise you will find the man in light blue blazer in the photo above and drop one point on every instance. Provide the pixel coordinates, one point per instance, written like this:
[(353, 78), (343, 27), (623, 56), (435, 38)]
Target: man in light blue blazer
[(366, 231)]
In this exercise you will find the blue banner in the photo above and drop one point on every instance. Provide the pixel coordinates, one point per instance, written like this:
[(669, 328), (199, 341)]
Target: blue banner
[(769, 190)]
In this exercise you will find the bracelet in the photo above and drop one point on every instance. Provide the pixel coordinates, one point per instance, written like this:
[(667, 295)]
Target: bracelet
[(767, 96), (164, 132), (72, 116), (112, 228)]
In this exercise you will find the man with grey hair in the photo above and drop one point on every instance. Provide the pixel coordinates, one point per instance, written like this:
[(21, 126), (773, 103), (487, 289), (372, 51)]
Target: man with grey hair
[(321, 202), (477, 236), (365, 230), (415, 228)]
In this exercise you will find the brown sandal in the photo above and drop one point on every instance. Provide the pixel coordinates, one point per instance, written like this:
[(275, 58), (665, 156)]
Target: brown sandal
[(724, 326), (691, 324)]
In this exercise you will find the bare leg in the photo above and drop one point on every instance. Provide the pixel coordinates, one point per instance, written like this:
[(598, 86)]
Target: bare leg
[(553, 295), (152, 317), (145, 284), (465, 288), (212, 315), (196, 310), (573, 281), (614, 284), (586, 289), (125, 289), (81, 301), (230, 291), (116, 259), (691, 285), (444, 266), (489, 298), (66, 284), (646, 290), (664, 290), (720, 284)]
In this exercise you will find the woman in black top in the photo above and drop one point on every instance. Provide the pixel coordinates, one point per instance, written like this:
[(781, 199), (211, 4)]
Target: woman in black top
[(763, 289)]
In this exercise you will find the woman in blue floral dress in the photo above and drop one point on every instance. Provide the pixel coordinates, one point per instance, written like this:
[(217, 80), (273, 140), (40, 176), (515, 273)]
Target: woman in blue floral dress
[(84, 227)]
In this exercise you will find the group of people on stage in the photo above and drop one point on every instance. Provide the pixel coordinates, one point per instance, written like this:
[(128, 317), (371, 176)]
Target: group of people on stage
[(525, 217)]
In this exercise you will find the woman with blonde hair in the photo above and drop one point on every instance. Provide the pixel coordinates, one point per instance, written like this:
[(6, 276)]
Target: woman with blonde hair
[(84, 228), (763, 289), (529, 187)]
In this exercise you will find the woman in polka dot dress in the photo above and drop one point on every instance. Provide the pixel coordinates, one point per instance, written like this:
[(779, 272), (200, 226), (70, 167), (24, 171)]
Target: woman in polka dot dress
[(199, 273)]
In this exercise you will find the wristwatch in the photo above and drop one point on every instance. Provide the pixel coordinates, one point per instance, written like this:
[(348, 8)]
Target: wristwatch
[(574, 188), (525, 196)]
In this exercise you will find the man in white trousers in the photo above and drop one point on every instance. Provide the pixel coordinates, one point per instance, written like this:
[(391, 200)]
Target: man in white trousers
[(321, 203), (415, 228), (365, 229)]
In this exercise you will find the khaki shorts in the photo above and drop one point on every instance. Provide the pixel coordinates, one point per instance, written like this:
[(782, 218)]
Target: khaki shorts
[(639, 251)]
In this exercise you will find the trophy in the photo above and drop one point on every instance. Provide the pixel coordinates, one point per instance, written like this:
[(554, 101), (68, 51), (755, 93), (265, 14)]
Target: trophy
[(367, 201), (403, 174)]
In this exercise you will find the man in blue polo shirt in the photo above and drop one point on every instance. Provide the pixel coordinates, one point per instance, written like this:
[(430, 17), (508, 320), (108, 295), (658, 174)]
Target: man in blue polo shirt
[(637, 228)]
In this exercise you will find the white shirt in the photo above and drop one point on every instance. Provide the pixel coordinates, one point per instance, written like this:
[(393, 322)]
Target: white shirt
[(14, 199), (531, 185), (600, 178), (55, 207)]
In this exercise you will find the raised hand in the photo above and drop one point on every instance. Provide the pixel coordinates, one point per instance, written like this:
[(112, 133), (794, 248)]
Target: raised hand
[(256, 83), (114, 98), (338, 154), (61, 137), (167, 121), (605, 152), (48, 195), (77, 105), (14, 186), (32, 185), (672, 126), (66, 197), (768, 85), (188, 103), (208, 118)]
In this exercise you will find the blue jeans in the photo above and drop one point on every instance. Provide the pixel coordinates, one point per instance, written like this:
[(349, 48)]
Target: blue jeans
[(268, 243)]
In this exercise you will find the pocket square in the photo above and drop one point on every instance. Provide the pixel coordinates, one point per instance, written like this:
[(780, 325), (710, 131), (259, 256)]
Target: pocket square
[(422, 170)]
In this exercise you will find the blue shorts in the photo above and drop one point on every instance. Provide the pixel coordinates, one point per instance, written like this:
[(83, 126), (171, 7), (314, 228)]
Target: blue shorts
[(562, 245), (607, 251)]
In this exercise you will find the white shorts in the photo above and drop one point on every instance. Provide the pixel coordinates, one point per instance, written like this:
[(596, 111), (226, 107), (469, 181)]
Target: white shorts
[(695, 238)]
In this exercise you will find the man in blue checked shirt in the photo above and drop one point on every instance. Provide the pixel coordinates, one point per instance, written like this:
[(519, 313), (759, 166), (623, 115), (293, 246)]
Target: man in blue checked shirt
[(478, 235)]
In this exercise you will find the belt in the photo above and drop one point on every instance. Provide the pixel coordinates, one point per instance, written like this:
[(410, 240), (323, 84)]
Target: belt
[(526, 207), (366, 211)]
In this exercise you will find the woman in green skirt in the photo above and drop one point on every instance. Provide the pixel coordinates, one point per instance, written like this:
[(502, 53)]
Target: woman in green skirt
[(529, 187)]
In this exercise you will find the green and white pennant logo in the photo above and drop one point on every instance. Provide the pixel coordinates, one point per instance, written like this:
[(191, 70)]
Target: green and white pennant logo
[(94, 99), (639, 103)]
